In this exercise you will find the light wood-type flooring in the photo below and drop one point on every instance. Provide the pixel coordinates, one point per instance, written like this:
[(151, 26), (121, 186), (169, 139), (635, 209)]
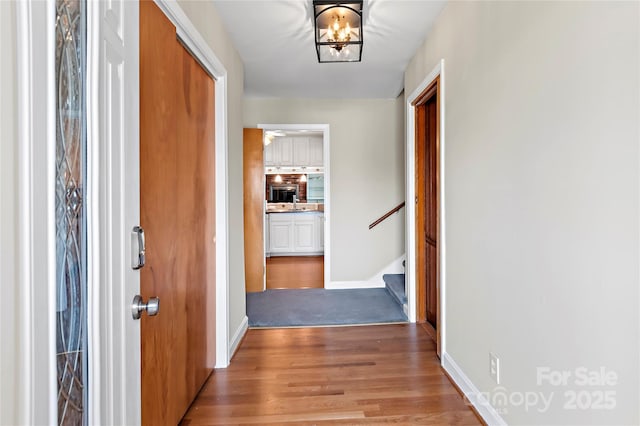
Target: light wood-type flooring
[(342, 375), (295, 272)]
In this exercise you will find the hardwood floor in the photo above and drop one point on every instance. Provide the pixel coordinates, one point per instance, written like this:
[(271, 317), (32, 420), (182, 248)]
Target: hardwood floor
[(342, 375), (295, 272)]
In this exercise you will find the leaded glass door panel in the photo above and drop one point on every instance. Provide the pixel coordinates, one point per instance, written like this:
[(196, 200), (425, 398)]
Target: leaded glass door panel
[(70, 205)]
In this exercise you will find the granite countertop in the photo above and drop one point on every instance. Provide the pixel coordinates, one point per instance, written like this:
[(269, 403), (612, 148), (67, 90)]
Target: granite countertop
[(299, 208)]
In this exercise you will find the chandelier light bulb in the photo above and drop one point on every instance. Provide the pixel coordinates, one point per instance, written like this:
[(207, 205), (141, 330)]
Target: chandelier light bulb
[(340, 35)]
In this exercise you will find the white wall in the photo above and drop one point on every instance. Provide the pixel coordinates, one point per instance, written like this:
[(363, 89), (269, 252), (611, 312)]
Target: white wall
[(542, 196), (367, 174), (8, 220), (206, 19)]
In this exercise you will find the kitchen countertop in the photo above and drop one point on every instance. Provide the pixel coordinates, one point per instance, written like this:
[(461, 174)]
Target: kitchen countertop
[(300, 208), (293, 211)]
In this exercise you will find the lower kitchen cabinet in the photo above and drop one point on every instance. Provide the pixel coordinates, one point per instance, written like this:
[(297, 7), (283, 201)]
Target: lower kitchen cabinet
[(320, 231), (280, 233), (294, 234), (304, 234)]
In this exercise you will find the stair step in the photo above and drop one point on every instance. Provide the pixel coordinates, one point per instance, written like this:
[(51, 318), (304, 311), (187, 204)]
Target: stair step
[(395, 286)]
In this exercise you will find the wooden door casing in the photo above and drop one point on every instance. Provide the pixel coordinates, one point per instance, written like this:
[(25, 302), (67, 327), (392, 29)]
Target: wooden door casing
[(177, 201), (431, 210)]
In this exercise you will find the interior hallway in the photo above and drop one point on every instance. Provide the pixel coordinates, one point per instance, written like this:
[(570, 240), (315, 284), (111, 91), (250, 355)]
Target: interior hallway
[(342, 375)]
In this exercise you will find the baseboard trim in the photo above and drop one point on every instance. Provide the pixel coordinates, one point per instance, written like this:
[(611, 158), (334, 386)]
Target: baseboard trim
[(343, 285), (375, 281), (471, 392), (238, 336)]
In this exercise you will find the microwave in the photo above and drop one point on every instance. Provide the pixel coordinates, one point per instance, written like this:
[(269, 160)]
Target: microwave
[(282, 193)]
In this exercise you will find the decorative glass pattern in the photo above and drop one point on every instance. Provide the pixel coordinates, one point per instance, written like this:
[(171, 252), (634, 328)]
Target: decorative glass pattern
[(71, 247)]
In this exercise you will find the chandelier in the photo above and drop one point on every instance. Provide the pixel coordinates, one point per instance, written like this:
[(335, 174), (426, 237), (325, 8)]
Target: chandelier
[(338, 30), (338, 34)]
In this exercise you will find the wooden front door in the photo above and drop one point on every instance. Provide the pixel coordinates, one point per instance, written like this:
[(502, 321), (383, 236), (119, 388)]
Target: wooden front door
[(177, 202), (427, 206)]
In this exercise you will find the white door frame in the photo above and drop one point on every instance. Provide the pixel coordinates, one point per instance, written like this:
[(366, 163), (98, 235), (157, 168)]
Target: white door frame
[(36, 395), (113, 199), (326, 157), (410, 236), (111, 400)]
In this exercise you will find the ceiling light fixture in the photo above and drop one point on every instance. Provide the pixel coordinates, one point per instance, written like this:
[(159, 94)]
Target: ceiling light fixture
[(269, 135), (338, 30)]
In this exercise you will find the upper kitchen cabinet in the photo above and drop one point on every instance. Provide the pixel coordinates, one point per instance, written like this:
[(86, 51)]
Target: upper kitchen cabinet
[(279, 152), (297, 151), (269, 159), (315, 152), (301, 151)]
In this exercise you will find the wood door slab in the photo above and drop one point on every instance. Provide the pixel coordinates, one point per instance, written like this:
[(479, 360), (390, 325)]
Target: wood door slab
[(177, 204), (253, 186)]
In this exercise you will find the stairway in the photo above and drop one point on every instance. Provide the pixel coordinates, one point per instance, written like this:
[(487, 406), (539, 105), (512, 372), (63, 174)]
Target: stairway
[(394, 284)]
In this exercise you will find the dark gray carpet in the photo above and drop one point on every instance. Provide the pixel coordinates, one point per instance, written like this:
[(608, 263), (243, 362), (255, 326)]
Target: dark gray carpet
[(316, 306), (395, 286)]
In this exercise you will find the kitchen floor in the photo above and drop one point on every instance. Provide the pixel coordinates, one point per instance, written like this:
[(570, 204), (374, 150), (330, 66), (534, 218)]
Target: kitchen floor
[(293, 272)]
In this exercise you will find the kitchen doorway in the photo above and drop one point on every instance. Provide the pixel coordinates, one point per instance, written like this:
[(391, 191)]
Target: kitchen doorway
[(286, 206)]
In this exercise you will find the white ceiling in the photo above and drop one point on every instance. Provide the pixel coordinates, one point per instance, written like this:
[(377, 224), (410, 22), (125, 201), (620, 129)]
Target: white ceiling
[(276, 42)]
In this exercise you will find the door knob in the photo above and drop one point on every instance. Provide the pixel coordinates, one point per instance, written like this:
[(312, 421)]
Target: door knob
[(138, 306)]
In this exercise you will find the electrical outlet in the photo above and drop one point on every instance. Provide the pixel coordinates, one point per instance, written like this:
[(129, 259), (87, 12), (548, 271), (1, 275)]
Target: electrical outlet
[(494, 367)]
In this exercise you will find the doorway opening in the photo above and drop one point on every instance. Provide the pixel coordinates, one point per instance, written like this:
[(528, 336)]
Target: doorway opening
[(287, 246), (294, 197), (286, 204)]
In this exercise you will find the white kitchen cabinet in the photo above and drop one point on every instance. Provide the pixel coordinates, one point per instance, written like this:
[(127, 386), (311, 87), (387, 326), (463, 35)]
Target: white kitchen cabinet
[(295, 234), (300, 152), (281, 233), (296, 151), (269, 159), (320, 232), (315, 152), (304, 233), (279, 152), (286, 151)]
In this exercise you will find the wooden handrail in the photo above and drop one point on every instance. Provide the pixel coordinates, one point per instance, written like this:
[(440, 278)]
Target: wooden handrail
[(396, 209)]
